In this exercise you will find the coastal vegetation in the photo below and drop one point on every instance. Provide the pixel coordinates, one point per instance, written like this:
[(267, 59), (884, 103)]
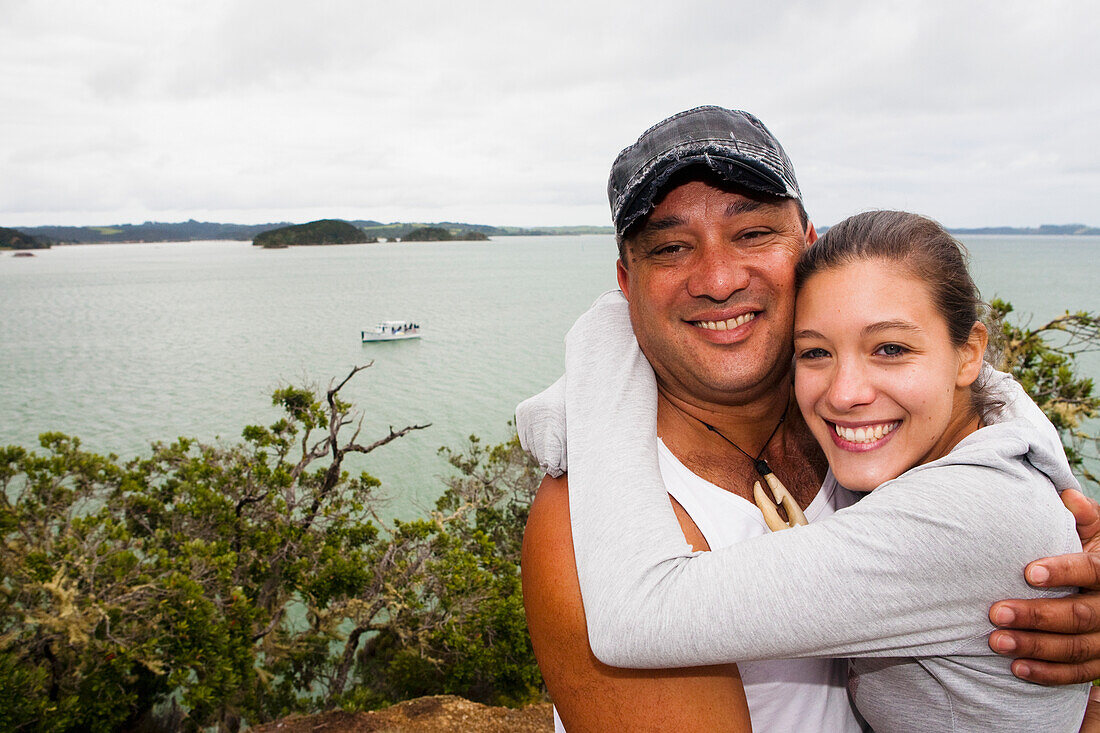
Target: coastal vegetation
[(226, 585), (324, 231), (1044, 360)]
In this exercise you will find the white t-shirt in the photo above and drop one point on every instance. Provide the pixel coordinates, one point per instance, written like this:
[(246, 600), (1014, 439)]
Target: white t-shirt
[(808, 695)]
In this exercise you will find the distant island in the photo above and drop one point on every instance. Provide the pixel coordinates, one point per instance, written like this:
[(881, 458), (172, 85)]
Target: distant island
[(190, 231), (1062, 229), (459, 230), (439, 234), (324, 231), (1044, 230), (336, 231)]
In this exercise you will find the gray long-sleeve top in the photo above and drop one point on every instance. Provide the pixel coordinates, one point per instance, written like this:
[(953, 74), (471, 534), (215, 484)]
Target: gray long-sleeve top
[(903, 579)]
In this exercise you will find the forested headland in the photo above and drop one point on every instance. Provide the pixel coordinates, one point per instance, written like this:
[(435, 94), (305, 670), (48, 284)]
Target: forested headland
[(14, 239), (230, 584)]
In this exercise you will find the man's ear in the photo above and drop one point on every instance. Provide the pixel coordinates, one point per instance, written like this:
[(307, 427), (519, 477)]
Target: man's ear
[(811, 234), (623, 277), (972, 354)]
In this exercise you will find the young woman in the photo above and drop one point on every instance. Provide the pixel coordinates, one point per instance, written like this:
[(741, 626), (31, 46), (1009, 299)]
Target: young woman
[(964, 470)]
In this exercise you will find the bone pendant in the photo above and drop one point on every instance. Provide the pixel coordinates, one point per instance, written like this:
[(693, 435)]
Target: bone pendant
[(782, 498)]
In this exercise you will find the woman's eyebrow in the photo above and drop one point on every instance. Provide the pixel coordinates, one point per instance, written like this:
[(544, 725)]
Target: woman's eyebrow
[(870, 329), (874, 328)]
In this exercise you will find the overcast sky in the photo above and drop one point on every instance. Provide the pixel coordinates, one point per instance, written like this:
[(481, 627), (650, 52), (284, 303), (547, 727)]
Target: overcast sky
[(511, 112)]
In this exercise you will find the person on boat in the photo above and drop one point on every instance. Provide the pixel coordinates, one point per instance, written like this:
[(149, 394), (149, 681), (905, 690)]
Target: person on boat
[(719, 180)]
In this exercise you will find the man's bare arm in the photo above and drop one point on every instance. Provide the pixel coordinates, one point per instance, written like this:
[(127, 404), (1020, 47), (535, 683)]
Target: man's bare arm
[(589, 695)]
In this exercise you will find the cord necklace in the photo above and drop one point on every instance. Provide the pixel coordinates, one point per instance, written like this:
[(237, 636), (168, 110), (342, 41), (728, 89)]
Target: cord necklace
[(782, 496)]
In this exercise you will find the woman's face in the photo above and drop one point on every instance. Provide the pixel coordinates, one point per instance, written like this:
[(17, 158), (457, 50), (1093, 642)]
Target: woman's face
[(876, 376)]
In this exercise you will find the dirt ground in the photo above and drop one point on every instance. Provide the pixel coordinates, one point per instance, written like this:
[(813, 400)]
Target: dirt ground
[(441, 713)]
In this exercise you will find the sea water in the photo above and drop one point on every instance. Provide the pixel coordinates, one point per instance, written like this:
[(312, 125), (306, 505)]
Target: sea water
[(123, 344)]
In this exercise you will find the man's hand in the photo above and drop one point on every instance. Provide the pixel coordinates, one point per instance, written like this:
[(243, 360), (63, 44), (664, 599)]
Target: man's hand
[(1091, 723), (1059, 640)]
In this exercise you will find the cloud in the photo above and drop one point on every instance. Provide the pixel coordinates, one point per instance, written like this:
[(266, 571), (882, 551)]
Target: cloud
[(979, 113)]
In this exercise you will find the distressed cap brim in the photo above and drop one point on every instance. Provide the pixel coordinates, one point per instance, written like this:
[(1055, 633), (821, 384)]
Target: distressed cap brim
[(732, 144)]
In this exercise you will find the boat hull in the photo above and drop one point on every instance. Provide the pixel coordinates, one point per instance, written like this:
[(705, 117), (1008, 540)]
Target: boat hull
[(368, 337)]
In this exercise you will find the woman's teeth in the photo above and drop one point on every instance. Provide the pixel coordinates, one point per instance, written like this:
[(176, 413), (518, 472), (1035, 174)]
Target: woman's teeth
[(728, 324), (866, 434)]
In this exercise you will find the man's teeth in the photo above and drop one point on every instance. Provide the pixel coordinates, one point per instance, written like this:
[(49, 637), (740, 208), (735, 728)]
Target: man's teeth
[(867, 433), (728, 324)]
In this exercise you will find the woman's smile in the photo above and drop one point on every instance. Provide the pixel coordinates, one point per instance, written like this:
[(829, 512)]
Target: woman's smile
[(864, 437)]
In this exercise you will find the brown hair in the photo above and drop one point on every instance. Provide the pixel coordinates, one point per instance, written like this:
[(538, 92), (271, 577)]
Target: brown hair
[(927, 251)]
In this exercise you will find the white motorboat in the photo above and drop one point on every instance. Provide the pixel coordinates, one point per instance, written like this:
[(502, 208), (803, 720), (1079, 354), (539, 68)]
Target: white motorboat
[(392, 331)]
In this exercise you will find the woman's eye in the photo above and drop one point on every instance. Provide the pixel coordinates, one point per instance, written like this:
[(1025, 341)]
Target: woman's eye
[(815, 353), (891, 350)]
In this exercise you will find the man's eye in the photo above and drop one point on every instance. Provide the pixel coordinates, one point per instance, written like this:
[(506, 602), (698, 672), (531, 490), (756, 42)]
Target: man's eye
[(891, 350), (667, 249), (755, 234)]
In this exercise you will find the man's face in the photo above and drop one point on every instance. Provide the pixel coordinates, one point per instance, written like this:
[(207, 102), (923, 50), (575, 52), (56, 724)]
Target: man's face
[(710, 281)]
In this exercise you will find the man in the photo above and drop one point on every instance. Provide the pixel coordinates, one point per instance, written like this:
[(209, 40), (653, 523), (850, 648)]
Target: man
[(710, 224)]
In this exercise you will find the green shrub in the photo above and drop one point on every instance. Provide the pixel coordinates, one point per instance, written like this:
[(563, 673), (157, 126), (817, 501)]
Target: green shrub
[(220, 584)]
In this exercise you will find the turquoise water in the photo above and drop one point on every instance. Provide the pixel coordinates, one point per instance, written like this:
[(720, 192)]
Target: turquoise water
[(124, 344)]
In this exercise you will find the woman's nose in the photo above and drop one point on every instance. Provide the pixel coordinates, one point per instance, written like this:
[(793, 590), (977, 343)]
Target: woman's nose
[(850, 385)]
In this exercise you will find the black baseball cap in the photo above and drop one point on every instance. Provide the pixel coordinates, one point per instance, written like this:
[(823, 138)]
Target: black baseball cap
[(733, 144)]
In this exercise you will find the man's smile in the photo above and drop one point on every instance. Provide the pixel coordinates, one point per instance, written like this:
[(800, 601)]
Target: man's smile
[(726, 325)]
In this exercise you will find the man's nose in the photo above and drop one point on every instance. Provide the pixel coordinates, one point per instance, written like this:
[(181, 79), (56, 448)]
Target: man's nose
[(850, 385), (717, 274)]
